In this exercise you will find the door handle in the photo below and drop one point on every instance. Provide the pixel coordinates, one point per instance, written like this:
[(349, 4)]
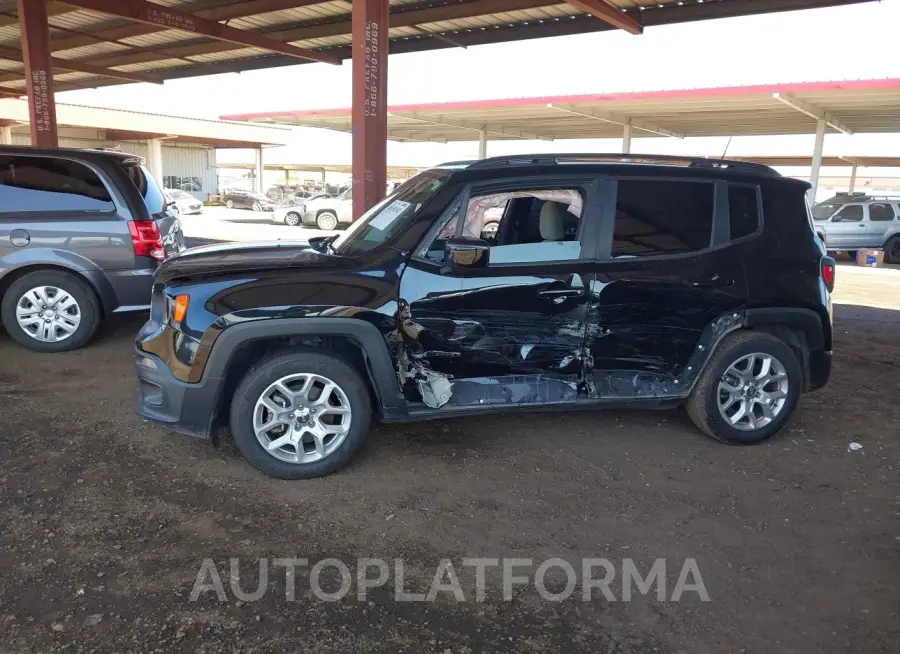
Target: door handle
[(562, 292)]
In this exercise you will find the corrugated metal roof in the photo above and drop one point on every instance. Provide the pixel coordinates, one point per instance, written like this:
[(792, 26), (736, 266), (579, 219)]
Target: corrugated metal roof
[(866, 106), (85, 36)]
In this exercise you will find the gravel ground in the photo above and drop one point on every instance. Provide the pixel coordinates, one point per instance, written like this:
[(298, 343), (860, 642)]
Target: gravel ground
[(105, 520)]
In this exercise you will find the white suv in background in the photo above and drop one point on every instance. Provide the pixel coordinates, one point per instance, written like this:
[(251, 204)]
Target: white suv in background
[(852, 222)]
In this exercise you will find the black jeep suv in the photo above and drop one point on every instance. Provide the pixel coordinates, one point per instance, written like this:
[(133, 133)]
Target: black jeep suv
[(641, 281)]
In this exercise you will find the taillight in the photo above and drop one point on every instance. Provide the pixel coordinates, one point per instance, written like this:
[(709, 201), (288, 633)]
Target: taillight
[(828, 272), (146, 239)]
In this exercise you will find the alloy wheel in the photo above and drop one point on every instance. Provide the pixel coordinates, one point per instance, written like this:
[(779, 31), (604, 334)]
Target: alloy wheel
[(327, 221), (753, 391), (302, 418), (48, 314), (292, 219)]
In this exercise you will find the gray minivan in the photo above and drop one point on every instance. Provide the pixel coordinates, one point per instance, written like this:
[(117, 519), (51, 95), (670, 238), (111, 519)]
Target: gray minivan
[(850, 222), (81, 234)]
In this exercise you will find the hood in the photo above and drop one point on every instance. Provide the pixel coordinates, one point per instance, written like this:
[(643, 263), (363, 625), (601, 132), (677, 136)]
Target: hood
[(246, 257)]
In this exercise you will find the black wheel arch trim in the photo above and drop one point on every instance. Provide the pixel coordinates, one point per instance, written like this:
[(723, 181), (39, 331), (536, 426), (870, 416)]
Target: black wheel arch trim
[(380, 366), (806, 320)]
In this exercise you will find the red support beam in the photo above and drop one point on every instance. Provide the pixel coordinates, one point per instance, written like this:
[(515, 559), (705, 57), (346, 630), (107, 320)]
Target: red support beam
[(370, 67), (141, 11), (608, 13), (38, 72)]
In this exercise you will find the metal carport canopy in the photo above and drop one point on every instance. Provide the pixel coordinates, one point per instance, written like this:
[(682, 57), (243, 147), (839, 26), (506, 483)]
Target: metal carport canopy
[(850, 106)]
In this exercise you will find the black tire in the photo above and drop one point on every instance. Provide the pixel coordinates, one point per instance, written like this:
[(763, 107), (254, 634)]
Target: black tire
[(229, 204), (324, 220), (66, 282), (274, 368), (292, 219), (702, 405), (892, 250)]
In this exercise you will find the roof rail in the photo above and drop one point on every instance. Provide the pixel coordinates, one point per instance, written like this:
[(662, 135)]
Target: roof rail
[(674, 160)]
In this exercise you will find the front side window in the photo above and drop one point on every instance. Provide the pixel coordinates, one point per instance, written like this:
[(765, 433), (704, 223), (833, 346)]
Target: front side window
[(850, 213), (824, 210), (522, 226), (881, 211), (659, 217), (45, 184)]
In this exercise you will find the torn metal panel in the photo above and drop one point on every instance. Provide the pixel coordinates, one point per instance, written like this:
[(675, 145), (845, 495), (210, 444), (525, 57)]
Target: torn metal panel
[(435, 389), (514, 389)]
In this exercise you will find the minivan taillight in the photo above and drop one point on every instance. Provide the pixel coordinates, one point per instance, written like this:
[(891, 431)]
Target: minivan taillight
[(146, 239), (828, 271)]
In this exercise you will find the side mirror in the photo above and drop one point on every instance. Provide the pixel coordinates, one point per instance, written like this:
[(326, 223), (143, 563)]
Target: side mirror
[(466, 254)]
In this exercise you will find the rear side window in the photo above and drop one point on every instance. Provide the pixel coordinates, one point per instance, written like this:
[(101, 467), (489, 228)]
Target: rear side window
[(880, 211), (147, 186), (850, 213), (657, 217), (743, 208), (49, 185)]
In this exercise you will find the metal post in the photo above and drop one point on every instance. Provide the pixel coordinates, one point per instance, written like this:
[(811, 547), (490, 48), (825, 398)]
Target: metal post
[(817, 158), (853, 178), (370, 64), (482, 144), (35, 35), (259, 170), (155, 159), (626, 139), (6, 135)]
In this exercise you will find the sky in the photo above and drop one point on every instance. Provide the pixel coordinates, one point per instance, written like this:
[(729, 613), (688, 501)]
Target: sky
[(850, 42)]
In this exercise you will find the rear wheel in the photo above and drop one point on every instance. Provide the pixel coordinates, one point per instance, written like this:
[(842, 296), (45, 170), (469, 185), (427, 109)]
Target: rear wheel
[(300, 415), (292, 219), (50, 311), (892, 250), (327, 221), (748, 390)]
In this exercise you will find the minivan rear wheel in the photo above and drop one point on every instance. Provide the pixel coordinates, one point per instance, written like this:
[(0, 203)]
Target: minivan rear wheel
[(748, 390), (50, 311)]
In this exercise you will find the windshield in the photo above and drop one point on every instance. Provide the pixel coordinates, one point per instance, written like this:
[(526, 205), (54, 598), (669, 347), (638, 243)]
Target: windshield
[(389, 217), (179, 195), (824, 210), (259, 196)]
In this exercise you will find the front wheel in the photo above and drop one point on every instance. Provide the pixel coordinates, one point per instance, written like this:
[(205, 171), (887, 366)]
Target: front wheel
[(257, 206), (300, 415), (50, 311), (748, 391), (327, 221), (229, 204), (292, 219), (892, 250)]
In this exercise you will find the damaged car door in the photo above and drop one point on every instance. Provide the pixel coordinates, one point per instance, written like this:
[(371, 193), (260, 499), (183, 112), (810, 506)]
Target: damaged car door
[(501, 313), (669, 279)]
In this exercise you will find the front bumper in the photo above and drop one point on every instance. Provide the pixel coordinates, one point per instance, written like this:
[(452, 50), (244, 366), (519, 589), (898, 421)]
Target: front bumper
[(186, 408), (819, 369)]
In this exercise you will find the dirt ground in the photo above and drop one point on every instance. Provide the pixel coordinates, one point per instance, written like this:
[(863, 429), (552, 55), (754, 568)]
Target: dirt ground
[(105, 520)]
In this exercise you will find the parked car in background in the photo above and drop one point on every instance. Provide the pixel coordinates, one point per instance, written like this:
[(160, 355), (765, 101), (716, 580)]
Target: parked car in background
[(329, 213), (292, 214), (183, 203), (240, 199), (851, 222), (81, 234), (607, 283)]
